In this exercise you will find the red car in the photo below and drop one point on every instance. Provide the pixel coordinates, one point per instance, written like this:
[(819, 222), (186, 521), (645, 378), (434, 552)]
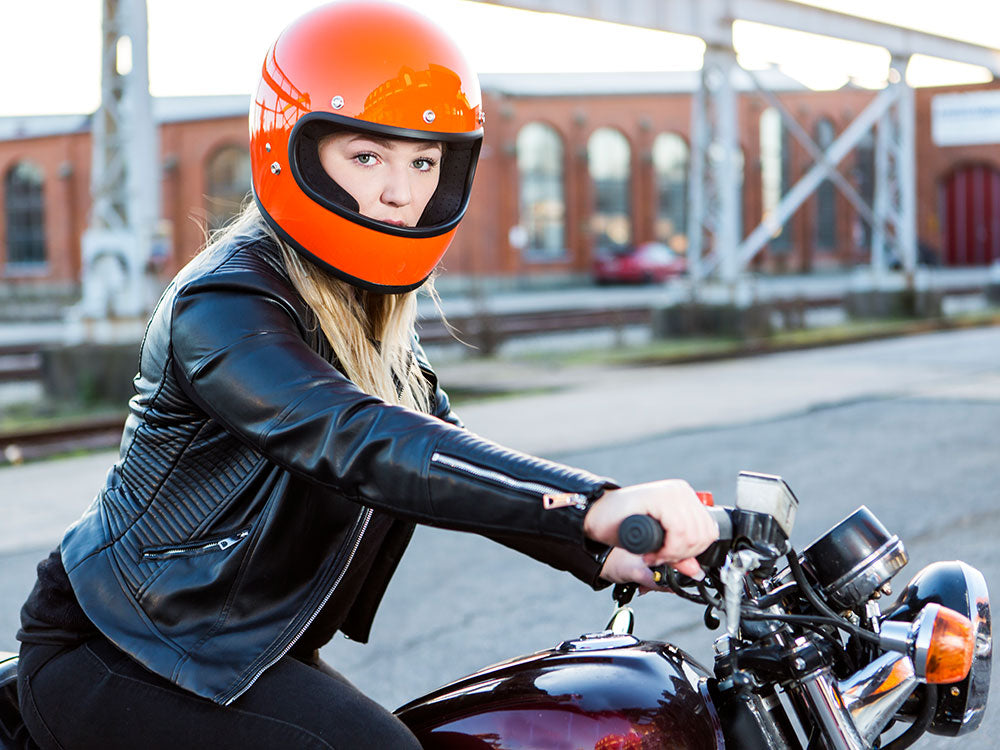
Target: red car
[(650, 262)]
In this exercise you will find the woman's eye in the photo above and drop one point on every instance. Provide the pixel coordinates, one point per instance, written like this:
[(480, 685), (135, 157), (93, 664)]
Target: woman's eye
[(365, 160), (424, 165)]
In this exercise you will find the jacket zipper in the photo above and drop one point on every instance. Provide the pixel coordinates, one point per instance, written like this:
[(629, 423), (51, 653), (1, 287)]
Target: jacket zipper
[(363, 519), (551, 497), (194, 548)]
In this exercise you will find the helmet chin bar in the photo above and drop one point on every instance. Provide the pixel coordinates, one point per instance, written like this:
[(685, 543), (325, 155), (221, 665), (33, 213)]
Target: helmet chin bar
[(333, 270)]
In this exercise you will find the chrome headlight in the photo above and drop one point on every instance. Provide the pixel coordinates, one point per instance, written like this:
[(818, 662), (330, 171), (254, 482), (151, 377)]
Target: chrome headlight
[(958, 586)]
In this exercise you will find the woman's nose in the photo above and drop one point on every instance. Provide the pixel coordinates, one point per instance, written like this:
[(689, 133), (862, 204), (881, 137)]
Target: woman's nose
[(396, 190)]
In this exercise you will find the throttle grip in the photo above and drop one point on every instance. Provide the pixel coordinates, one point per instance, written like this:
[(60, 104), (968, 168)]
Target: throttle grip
[(640, 534)]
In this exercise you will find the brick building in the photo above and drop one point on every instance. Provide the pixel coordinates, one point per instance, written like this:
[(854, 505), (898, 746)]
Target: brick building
[(570, 164)]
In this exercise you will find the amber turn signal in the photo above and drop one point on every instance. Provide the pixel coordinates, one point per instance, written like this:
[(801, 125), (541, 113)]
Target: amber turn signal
[(939, 642), (949, 655)]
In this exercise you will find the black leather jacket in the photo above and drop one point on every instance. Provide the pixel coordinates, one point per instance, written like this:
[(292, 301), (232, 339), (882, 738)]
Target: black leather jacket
[(249, 468)]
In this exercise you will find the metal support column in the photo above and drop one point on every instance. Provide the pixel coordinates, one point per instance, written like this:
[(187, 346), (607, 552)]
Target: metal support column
[(907, 163), (696, 222), (715, 169), (895, 181), (882, 197), (117, 244)]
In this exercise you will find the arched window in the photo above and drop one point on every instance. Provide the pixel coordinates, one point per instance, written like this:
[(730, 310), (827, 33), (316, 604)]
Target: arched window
[(826, 197), (227, 182), (610, 159), (542, 193), (670, 167), (774, 171), (25, 215)]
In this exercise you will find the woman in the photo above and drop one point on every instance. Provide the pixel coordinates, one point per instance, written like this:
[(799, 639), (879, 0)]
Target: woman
[(287, 431)]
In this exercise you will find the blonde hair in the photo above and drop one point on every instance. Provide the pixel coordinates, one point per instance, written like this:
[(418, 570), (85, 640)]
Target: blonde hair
[(371, 334)]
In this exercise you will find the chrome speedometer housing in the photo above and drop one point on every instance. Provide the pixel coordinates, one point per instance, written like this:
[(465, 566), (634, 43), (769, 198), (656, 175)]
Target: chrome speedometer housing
[(854, 559)]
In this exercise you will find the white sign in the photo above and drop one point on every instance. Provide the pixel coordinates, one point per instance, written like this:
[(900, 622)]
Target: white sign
[(965, 119)]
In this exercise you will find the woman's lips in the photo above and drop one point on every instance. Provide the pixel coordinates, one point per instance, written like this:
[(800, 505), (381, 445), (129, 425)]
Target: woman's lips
[(394, 222)]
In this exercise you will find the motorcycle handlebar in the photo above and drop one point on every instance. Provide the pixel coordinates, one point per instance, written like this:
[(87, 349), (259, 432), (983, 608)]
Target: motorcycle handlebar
[(640, 534)]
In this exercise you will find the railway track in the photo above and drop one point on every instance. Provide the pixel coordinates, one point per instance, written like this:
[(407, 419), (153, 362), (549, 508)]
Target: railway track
[(487, 331), (40, 442), (20, 362), (23, 363)]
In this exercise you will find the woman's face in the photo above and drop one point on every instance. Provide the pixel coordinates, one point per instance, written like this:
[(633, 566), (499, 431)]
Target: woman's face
[(391, 179)]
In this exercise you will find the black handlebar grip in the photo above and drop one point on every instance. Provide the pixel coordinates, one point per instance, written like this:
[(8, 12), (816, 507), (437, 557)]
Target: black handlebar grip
[(640, 534), (723, 520)]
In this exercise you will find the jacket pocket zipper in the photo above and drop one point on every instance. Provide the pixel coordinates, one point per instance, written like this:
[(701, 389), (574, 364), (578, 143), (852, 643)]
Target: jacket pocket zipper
[(363, 519), (199, 547), (551, 497)]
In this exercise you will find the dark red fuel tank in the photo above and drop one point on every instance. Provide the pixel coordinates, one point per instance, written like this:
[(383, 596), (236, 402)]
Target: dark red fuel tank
[(601, 691)]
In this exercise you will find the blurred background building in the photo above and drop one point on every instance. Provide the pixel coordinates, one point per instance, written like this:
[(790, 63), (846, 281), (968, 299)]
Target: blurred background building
[(756, 181), (729, 169), (572, 164)]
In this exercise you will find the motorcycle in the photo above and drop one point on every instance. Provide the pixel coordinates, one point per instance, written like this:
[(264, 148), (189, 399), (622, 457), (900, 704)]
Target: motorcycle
[(807, 658)]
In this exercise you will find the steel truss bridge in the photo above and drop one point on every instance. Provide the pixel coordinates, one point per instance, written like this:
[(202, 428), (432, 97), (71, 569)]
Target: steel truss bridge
[(717, 249)]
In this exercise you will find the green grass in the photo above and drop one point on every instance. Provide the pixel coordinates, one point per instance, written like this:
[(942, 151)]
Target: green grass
[(667, 350), (679, 350), (44, 415), (459, 395)]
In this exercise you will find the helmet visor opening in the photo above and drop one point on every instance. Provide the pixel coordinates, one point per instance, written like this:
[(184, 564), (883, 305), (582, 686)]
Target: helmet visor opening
[(446, 206)]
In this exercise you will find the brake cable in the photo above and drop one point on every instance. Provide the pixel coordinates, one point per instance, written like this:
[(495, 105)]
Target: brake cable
[(814, 599), (826, 617), (922, 722)]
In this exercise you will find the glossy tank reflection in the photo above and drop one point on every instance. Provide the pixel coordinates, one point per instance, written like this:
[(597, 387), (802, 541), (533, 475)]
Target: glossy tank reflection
[(603, 691)]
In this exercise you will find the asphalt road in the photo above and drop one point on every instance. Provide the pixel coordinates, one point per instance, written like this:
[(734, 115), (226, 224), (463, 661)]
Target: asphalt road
[(908, 428)]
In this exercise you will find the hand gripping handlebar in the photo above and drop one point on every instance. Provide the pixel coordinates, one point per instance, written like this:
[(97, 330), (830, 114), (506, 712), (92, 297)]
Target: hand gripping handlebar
[(640, 534)]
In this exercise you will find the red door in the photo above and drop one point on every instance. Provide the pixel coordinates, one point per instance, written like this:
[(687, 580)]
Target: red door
[(970, 232)]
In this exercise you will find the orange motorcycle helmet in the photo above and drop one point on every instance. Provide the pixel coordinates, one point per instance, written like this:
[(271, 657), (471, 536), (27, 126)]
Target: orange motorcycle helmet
[(385, 70)]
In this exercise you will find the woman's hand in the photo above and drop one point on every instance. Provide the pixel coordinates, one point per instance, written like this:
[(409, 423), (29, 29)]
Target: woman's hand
[(621, 566), (688, 528)]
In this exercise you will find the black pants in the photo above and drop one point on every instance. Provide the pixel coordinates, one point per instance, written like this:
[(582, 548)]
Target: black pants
[(95, 696)]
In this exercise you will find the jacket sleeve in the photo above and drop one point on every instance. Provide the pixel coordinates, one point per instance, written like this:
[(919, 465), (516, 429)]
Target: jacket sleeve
[(583, 561), (240, 355)]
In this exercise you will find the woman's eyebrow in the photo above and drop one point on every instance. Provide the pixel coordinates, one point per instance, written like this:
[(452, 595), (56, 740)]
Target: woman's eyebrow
[(391, 143), (384, 142)]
